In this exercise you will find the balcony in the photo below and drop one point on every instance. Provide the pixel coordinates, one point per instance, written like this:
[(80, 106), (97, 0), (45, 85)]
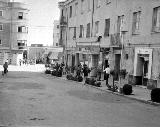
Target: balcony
[(63, 21), (115, 40), (21, 46)]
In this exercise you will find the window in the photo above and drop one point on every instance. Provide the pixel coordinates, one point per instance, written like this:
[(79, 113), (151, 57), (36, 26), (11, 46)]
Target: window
[(22, 42), (82, 6), (74, 34), (96, 27), (22, 29), (136, 22), (56, 44), (88, 30), (107, 27), (62, 12), (20, 15), (76, 8), (70, 14), (156, 19), (1, 13), (1, 27), (57, 26), (0, 42), (119, 23), (81, 31)]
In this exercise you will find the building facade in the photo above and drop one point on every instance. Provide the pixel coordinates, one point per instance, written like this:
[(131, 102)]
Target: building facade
[(124, 34), (13, 31), (56, 34)]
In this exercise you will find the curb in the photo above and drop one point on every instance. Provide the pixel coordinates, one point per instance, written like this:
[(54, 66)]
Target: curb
[(133, 98), (116, 93)]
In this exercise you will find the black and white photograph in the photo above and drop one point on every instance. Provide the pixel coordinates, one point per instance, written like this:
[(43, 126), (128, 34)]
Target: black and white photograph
[(79, 63)]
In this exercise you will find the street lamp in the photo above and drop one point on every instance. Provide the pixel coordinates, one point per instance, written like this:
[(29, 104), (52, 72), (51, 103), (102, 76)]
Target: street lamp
[(122, 33)]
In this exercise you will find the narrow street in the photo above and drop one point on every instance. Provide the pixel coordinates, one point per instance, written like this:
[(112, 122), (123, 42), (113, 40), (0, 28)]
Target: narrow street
[(32, 98)]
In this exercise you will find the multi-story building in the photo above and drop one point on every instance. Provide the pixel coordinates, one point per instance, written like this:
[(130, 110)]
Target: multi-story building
[(121, 33), (56, 34), (13, 31)]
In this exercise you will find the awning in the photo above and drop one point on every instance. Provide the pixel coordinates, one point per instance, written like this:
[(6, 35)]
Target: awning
[(53, 56)]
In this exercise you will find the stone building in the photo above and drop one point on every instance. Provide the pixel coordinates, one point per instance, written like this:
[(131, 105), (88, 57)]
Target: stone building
[(121, 33), (13, 31)]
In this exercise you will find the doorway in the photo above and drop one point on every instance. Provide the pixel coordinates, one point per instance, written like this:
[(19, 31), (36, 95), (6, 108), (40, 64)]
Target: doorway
[(105, 63), (142, 69), (117, 65)]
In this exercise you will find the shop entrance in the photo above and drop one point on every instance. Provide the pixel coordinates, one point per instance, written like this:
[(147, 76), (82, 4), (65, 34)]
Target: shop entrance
[(73, 60), (142, 69)]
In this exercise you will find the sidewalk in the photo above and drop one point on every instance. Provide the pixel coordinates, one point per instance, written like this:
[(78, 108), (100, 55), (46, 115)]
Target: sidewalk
[(139, 93)]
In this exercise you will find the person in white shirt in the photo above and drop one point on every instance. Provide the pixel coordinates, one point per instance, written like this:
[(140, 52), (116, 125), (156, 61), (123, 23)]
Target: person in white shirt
[(107, 73)]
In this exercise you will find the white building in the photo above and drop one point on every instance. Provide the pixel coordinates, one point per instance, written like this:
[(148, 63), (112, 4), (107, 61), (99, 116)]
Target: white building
[(13, 31)]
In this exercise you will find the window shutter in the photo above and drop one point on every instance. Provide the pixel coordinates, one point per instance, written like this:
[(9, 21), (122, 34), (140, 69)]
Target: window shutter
[(88, 30), (107, 27), (154, 18)]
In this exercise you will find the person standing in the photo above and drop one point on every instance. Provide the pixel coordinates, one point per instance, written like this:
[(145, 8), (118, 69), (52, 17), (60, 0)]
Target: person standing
[(107, 73), (5, 66), (85, 72)]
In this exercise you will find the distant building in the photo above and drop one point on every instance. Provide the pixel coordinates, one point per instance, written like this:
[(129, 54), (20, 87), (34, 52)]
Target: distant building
[(35, 51), (36, 45), (40, 52), (13, 31), (56, 34)]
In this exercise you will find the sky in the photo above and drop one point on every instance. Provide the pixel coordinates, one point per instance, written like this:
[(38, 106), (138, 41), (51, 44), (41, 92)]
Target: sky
[(41, 17)]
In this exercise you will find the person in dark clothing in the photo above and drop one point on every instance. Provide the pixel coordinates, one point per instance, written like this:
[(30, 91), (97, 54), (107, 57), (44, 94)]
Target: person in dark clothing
[(85, 72), (5, 66)]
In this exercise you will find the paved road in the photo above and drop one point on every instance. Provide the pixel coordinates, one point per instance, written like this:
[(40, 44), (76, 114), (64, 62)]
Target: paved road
[(31, 98)]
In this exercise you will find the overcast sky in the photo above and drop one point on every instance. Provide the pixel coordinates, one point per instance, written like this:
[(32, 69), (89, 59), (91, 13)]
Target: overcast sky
[(41, 17)]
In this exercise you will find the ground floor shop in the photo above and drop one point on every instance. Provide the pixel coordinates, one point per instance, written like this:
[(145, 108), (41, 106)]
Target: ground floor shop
[(13, 56), (142, 64)]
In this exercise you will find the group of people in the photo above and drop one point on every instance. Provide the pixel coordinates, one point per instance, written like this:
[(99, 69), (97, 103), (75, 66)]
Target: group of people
[(85, 71)]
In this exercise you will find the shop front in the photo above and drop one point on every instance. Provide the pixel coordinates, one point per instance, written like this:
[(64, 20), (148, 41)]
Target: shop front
[(142, 65), (88, 55)]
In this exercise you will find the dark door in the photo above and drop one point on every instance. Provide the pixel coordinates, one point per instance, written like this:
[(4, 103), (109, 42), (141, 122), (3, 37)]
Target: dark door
[(105, 63), (73, 60), (117, 65)]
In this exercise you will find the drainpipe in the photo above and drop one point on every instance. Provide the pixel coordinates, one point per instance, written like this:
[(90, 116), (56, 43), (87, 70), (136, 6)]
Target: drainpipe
[(92, 19)]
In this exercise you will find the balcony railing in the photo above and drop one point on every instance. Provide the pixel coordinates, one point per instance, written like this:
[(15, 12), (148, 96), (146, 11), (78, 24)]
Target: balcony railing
[(115, 40), (22, 48)]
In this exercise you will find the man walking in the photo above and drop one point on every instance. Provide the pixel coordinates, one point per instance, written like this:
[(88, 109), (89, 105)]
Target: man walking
[(5, 66), (107, 73)]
